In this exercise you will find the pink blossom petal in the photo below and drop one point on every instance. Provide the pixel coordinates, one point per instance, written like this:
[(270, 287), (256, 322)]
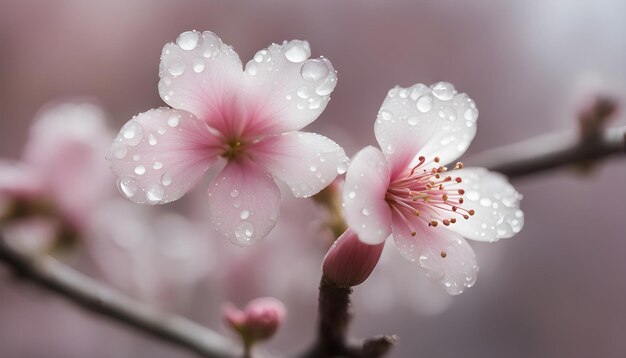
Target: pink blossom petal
[(290, 89), (442, 255), (66, 146), (161, 154), (202, 75), (244, 202), (18, 180), (307, 162), (429, 121), (366, 210), (496, 204)]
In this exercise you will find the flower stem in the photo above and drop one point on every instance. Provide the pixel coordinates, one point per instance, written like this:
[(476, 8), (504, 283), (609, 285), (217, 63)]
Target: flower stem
[(50, 274)]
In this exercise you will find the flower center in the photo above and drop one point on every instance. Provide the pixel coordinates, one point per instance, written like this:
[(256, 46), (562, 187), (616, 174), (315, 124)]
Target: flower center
[(233, 148), (430, 195)]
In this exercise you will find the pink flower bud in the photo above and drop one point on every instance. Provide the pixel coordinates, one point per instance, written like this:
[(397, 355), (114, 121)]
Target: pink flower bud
[(258, 321), (350, 261)]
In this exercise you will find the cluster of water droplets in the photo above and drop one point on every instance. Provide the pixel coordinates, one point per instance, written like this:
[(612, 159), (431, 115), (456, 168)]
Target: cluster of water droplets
[(308, 82), (496, 203), (437, 112), (447, 260), (191, 55), (144, 178)]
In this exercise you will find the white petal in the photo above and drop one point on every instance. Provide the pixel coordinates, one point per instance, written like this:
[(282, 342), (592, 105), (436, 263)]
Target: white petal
[(366, 210), (496, 204), (161, 154), (429, 121), (307, 162), (442, 255), (199, 73), (244, 202), (288, 87)]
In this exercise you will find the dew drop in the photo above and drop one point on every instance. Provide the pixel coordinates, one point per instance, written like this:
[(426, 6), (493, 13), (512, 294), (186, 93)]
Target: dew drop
[(443, 90), (157, 165), (424, 103), (485, 202), (471, 114), (351, 195), (365, 212), (413, 120), (234, 193), (343, 166), (448, 113), (297, 51), (198, 65), (312, 168), (211, 44), (173, 121), (327, 86), (244, 231), (132, 132), (314, 70), (152, 139), (303, 92), (176, 66), (244, 214), (128, 186), (252, 69), (155, 193), (166, 179), (140, 170), (188, 40), (386, 115)]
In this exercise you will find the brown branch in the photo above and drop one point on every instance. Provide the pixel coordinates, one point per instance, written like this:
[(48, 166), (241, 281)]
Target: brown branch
[(334, 319), (97, 298), (552, 151)]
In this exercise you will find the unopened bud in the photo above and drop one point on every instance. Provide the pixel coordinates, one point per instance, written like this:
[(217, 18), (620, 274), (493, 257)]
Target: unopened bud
[(258, 321), (350, 261)]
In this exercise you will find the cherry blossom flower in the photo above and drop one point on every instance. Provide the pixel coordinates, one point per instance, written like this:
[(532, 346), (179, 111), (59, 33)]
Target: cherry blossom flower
[(61, 178), (248, 121), (407, 191)]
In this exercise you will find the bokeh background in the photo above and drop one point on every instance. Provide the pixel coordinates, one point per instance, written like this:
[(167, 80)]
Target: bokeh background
[(555, 290)]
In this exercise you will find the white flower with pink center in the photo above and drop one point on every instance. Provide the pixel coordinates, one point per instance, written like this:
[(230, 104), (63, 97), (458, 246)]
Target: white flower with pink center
[(408, 191), (246, 120)]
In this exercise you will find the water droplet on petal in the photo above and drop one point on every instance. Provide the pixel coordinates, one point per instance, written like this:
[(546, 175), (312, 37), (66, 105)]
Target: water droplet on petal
[(244, 214), (314, 70), (327, 86), (166, 179), (244, 231), (132, 132), (443, 90), (252, 69), (343, 166), (155, 193), (140, 170), (365, 212), (175, 66), (385, 115), (188, 40), (424, 103), (157, 165), (173, 121), (152, 139), (128, 186), (234, 193), (413, 120), (303, 92), (351, 195), (198, 65), (210, 45), (297, 51), (471, 114)]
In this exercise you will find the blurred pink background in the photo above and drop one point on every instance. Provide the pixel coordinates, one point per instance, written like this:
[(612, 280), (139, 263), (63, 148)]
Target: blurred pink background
[(555, 290)]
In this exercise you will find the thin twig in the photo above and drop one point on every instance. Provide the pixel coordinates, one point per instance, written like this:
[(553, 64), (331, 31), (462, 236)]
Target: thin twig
[(97, 298), (551, 151)]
